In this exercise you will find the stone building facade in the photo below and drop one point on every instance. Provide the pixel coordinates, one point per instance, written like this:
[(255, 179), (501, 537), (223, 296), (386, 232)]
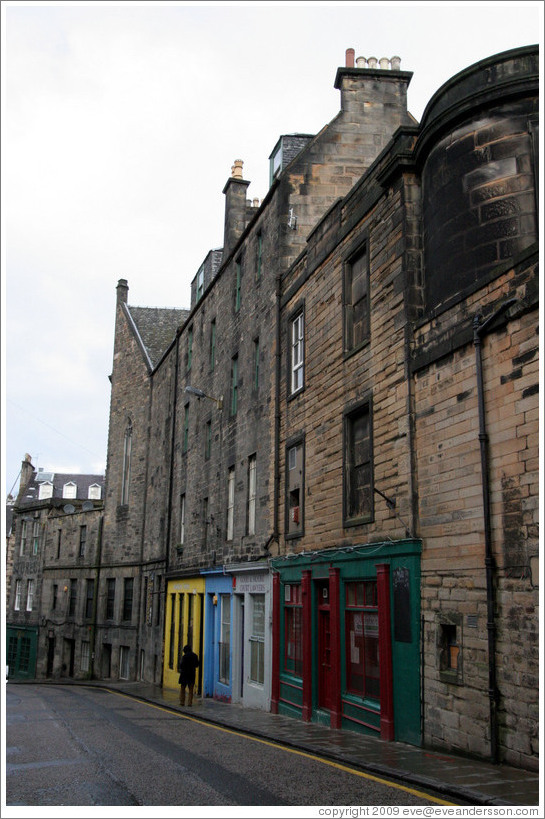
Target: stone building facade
[(56, 534), (411, 429), (323, 474)]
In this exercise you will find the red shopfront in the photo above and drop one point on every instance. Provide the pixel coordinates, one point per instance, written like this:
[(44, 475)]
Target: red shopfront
[(344, 624)]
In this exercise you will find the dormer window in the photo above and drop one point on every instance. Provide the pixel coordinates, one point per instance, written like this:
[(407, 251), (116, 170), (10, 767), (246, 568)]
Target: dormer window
[(69, 490), (45, 491), (94, 492), (200, 283), (275, 162)]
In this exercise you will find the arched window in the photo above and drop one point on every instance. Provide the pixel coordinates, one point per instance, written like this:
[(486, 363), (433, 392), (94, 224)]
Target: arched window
[(127, 447)]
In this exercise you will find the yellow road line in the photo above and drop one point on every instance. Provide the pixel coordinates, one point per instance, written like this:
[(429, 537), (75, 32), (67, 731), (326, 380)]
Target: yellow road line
[(286, 748)]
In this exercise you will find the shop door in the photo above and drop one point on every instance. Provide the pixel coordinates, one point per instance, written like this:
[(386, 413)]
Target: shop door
[(325, 675)]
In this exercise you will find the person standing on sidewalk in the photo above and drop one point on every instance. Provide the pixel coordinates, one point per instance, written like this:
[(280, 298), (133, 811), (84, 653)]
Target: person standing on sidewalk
[(188, 666)]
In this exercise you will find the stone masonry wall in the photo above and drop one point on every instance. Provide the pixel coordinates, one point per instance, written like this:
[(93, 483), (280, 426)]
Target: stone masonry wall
[(452, 524)]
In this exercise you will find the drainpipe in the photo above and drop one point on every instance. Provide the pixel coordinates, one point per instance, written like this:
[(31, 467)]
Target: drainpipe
[(278, 362), (479, 330), (95, 598), (171, 470)]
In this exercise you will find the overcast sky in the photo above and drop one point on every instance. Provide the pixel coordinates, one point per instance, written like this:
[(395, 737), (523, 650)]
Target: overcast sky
[(120, 123)]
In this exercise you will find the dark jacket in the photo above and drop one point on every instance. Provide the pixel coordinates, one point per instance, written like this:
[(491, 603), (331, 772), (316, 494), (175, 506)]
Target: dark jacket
[(189, 663)]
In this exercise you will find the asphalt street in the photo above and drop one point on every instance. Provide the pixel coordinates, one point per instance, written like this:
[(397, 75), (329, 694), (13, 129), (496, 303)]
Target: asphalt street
[(81, 746)]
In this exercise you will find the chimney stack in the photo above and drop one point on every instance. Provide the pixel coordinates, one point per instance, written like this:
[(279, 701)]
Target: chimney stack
[(235, 207), (122, 291)]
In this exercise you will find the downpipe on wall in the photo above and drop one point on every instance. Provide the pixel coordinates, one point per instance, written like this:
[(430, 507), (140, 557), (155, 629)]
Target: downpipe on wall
[(480, 328)]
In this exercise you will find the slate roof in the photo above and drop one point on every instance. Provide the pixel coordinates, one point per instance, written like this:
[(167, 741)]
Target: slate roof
[(156, 327), (59, 479)]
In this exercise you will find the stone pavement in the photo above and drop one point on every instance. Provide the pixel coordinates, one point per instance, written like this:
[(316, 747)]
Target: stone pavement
[(472, 781)]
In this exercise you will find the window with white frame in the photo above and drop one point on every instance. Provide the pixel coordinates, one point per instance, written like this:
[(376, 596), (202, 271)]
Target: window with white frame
[(230, 502), (45, 491), (252, 484), (29, 595), (35, 536), (200, 283), (23, 536), (17, 604), (257, 639), (297, 353), (85, 654), (94, 492), (225, 641), (70, 490)]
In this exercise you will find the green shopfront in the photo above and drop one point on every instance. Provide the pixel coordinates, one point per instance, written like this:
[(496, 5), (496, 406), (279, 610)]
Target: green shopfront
[(22, 644), (346, 638)]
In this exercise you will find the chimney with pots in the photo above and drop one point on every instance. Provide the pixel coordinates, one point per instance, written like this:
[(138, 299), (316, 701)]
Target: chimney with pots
[(370, 85), (235, 207)]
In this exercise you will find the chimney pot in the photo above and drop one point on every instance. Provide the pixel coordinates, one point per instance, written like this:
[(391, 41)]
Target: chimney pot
[(372, 62), (384, 63), (255, 203), (350, 54), (361, 62), (236, 169), (395, 63)]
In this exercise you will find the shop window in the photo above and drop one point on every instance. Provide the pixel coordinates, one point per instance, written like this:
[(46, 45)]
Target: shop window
[(257, 639), (172, 631), (124, 662), (358, 472), (362, 643), (356, 300), (180, 627), (85, 646), (225, 641), (293, 612), (294, 489)]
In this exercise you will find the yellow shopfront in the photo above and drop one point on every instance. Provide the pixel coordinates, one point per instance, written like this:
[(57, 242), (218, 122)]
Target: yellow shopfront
[(184, 624)]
